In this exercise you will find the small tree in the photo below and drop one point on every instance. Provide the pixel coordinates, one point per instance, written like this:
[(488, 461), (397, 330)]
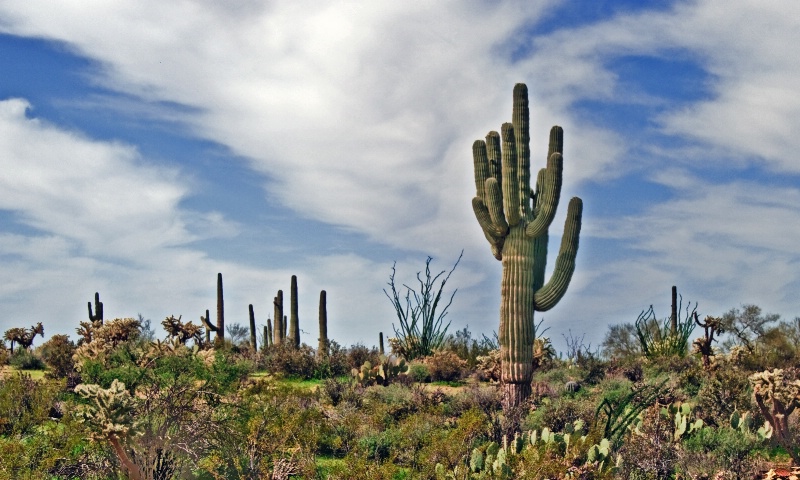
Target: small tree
[(422, 328)]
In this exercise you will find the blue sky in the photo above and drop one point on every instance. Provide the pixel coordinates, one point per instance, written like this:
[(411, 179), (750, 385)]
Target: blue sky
[(146, 146)]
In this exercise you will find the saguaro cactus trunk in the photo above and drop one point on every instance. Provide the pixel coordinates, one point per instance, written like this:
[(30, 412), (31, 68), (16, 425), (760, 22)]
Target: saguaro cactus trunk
[(294, 320), (322, 348), (252, 328), (515, 221), (279, 331)]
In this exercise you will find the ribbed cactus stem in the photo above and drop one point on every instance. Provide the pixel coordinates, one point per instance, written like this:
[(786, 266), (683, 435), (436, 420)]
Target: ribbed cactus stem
[(322, 348), (268, 333), (278, 305), (294, 321), (515, 221), (220, 331), (380, 344), (673, 319), (252, 328)]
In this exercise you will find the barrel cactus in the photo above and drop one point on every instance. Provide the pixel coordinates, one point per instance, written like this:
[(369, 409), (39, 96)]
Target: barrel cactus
[(515, 221)]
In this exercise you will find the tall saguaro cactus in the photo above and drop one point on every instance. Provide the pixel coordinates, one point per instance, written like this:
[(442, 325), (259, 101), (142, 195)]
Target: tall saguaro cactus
[(279, 331), (322, 348), (219, 329), (515, 220), (294, 320)]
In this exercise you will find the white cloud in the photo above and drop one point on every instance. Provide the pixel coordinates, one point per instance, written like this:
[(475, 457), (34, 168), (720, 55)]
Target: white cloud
[(363, 114)]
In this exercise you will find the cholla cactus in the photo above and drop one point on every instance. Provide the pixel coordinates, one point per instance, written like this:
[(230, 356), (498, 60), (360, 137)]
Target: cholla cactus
[(99, 338), (777, 398), (515, 220), (110, 413), (183, 332)]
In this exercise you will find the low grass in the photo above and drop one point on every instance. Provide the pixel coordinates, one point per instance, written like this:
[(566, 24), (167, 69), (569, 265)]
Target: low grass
[(9, 370)]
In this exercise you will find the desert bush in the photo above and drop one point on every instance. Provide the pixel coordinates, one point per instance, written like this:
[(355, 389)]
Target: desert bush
[(419, 372), (335, 364), (25, 403), (57, 353), (475, 396), (649, 453), (288, 361), (4, 354), (467, 348), (724, 391), (444, 365), (265, 432), (358, 354), (621, 342), (712, 451), (556, 413), (24, 359), (746, 326)]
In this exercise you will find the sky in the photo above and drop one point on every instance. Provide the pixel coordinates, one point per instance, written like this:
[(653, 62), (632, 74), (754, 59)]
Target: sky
[(146, 146)]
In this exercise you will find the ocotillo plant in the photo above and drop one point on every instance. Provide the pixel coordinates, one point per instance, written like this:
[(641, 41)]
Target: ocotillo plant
[(98, 309), (294, 321), (252, 328), (322, 348), (515, 220)]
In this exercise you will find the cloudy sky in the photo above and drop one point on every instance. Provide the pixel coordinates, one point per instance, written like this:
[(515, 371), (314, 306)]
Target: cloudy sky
[(147, 145)]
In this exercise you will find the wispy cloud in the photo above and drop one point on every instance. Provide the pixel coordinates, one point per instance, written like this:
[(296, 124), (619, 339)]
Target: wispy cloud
[(362, 116)]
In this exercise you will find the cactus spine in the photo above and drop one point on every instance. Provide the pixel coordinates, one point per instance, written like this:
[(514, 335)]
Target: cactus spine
[(294, 321), (322, 349), (515, 221), (98, 309)]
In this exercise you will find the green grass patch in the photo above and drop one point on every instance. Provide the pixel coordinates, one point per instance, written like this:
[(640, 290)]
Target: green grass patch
[(35, 374)]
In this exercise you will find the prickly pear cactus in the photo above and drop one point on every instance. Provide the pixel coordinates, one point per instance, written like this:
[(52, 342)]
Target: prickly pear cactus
[(515, 221)]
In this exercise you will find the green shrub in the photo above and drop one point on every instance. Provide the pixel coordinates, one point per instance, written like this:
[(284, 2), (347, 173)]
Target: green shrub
[(57, 353), (25, 403), (446, 366), (288, 361), (24, 359), (358, 354), (419, 372), (712, 450), (724, 391)]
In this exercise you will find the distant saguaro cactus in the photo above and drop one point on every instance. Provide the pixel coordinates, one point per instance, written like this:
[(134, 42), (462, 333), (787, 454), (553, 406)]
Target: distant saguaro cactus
[(98, 309), (252, 328), (294, 320), (515, 221), (279, 331), (219, 329), (322, 348)]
